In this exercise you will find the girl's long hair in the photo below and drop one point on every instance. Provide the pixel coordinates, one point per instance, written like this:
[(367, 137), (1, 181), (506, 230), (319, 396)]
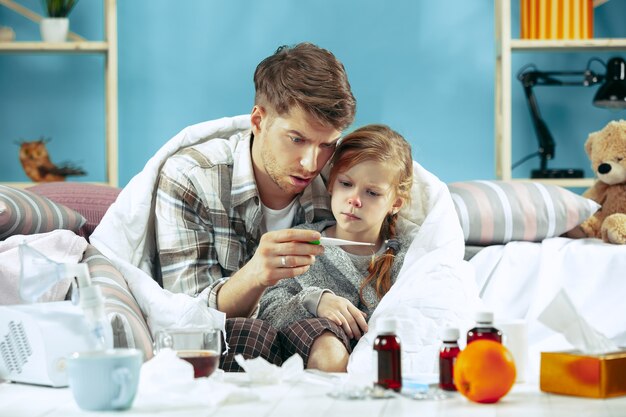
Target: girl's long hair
[(378, 143)]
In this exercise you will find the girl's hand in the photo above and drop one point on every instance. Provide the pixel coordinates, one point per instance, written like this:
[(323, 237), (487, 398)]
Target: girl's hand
[(344, 313)]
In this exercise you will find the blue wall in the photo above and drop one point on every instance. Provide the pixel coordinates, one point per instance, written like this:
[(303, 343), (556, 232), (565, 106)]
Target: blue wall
[(424, 67)]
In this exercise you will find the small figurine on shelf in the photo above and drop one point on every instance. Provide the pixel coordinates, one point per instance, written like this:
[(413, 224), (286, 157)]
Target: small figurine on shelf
[(7, 34), (37, 165)]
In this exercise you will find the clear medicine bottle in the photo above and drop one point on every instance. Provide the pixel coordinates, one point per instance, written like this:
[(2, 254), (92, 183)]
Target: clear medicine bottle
[(387, 356), (484, 328), (447, 357)]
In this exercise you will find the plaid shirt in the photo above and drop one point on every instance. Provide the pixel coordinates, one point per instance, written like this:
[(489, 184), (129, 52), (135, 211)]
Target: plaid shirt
[(208, 214)]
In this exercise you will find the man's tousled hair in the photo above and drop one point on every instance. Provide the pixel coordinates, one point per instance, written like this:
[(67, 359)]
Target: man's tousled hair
[(310, 78)]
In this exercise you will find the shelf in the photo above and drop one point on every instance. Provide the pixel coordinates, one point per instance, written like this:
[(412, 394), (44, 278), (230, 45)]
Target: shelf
[(568, 45), (506, 45), (78, 45), (61, 47)]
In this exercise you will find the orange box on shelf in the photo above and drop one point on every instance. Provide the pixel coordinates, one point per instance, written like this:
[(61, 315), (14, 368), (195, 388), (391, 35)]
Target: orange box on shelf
[(556, 19), (582, 375)]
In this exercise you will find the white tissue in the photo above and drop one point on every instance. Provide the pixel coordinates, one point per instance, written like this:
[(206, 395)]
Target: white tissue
[(261, 371), (167, 382), (562, 316)]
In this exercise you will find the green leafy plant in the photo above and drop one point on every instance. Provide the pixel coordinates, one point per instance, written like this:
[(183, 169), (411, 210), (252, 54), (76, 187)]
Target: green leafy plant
[(59, 8)]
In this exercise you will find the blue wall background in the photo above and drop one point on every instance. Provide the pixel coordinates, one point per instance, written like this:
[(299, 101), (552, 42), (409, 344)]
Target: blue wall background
[(424, 67)]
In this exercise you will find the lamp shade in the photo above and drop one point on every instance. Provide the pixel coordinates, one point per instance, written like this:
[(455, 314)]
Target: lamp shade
[(612, 94)]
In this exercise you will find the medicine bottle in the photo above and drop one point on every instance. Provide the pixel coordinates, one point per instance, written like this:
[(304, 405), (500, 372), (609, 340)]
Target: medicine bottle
[(484, 328), (447, 358), (387, 353)]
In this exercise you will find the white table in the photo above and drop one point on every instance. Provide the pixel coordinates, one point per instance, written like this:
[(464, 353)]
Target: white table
[(310, 399)]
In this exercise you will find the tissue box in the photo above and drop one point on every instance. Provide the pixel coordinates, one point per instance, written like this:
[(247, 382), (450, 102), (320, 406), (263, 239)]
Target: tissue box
[(583, 375)]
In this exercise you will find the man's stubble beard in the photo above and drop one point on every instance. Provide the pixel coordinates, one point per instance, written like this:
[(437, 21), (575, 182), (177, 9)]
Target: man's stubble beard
[(272, 169)]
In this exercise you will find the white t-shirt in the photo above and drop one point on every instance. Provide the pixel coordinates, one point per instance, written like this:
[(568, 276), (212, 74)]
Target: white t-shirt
[(278, 219)]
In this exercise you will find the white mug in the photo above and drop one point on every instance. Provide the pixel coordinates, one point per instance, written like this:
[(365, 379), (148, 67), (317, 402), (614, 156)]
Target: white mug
[(515, 338)]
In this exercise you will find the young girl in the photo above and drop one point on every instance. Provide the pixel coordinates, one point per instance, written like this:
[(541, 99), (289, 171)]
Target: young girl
[(370, 180)]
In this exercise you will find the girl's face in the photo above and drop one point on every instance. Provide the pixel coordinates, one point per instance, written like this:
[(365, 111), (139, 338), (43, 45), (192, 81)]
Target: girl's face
[(361, 198)]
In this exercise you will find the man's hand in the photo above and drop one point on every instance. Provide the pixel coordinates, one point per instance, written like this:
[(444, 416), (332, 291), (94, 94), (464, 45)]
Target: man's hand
[(344, 313), (283, 254)]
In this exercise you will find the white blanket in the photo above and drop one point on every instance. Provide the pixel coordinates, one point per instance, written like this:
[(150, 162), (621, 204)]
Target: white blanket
[(519, 279), (126, 235), (435, 287), (431, 291)]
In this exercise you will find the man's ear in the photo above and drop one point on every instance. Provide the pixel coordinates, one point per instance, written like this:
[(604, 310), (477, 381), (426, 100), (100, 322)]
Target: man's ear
[(256, 118)]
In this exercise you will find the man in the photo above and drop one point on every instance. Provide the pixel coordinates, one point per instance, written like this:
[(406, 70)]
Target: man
[(224, 208)]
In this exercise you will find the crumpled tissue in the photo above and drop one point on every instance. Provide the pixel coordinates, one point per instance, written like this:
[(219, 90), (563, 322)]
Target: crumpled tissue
[(167, 382), (261, 371), (562, 316)]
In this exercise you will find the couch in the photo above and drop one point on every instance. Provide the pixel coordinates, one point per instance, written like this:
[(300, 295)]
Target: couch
[(512, 233)]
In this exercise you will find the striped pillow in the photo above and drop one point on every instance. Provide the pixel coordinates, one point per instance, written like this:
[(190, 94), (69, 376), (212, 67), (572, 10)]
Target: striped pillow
[(129, 326), (90, 200), (24, 213), (496, 212)]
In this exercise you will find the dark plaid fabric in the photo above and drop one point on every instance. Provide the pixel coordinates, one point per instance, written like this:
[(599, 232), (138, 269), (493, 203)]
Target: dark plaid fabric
[(300, 335), (252, 338)]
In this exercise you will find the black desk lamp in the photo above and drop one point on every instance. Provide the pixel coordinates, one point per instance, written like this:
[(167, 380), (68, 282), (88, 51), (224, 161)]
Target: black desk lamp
[(611, 95)]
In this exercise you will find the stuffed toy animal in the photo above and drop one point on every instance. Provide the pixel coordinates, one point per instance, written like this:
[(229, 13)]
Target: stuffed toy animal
[(607, 151)]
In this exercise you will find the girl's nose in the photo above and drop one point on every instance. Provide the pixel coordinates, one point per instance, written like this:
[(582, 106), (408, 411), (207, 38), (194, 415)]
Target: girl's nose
[(354, 201)]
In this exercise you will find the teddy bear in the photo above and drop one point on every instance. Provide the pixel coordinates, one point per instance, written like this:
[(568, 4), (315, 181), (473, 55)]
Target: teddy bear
[(606, 149)]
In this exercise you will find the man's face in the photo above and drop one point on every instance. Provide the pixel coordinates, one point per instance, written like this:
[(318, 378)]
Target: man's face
[(288, 152)]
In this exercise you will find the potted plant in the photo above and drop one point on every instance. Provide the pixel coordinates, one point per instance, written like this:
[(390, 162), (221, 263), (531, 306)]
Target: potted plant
[(55, 27)]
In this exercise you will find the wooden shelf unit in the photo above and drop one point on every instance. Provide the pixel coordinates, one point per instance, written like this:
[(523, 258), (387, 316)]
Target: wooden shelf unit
[(108, 48), (505, 46), (62, 47)]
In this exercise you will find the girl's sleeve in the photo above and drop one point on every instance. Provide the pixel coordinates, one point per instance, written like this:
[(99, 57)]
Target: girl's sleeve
[(285, 302)]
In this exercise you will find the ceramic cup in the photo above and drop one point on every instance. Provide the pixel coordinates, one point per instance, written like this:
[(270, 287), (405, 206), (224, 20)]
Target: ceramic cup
[(106, 379), (199, 346), (515, 338)]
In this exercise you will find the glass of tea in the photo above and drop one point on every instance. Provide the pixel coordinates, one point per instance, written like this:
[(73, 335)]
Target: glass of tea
[(201, 347)]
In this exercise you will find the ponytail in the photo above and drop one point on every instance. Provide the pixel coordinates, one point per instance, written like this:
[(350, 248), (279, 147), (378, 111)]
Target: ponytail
[(380, 268)]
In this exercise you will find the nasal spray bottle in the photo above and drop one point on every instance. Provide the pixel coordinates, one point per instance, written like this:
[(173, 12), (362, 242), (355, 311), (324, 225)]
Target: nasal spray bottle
[(92, 303)]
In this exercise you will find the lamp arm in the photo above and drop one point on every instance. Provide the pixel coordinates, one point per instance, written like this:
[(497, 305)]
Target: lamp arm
[(531, 77), (544, 137)]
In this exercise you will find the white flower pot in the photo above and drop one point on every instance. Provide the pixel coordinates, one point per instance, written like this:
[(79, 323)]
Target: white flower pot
[(54, 29)]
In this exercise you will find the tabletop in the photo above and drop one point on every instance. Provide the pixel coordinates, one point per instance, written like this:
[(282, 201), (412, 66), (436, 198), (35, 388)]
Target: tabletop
[(310, 398)]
